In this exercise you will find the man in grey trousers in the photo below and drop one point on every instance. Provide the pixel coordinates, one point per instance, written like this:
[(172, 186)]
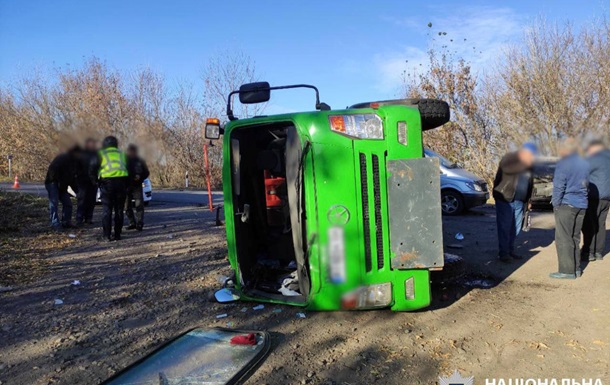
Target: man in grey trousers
[(594, 226), (570, 185)]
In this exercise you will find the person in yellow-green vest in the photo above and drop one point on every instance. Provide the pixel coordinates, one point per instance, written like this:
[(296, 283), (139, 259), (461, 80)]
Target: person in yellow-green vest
[(109, 171)]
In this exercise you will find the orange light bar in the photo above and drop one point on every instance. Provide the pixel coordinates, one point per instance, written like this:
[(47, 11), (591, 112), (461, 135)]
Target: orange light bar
[(212, 121), (337, 123)]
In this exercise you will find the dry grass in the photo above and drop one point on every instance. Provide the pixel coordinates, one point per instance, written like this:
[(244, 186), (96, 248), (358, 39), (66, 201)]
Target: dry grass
[(25, 237)]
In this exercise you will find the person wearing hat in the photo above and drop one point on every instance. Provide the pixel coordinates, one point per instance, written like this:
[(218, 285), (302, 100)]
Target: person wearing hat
[(109, 170), (512, 192), (570, 201), (594, 226)]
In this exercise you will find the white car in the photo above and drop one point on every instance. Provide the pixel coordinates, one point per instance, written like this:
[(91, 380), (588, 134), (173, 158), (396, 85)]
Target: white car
[(146, 189)]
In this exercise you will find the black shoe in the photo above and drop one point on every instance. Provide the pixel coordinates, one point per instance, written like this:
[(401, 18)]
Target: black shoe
[(131, 227), (68, 226), (117, 237), (562, 276), (598, 257), (505, 258), (586, 256), (139, 226), (516, 256)]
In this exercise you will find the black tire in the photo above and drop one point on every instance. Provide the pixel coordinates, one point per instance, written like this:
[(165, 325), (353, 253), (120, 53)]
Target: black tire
[(434, 112), (452, 202), (454, 269)]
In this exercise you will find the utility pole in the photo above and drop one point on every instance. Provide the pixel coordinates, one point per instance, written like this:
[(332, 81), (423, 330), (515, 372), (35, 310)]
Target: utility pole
[(10, 165), (208, 175)]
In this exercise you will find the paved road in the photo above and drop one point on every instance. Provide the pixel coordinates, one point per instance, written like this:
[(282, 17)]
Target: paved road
[(179, 197)]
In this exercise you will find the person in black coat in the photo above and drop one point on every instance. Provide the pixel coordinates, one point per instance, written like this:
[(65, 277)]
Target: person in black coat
[(87, 189), (61, 174), (512, 192), (594, 226), (138, 172)]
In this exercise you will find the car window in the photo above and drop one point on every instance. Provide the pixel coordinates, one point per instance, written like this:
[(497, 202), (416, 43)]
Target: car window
[(544, 168), (201, 356), (444, 161)]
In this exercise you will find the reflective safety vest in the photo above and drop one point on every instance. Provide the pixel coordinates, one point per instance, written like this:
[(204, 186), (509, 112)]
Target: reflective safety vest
[(114, 163)]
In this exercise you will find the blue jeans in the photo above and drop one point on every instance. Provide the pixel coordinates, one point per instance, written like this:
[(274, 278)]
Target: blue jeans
[(509, 219), (56, 196)]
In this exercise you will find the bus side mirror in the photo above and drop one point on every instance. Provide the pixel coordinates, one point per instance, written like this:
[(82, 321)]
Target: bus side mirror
[(253, 93), (213, 129)]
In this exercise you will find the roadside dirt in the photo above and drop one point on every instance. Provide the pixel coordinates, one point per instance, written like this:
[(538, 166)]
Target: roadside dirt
[(139, 292)]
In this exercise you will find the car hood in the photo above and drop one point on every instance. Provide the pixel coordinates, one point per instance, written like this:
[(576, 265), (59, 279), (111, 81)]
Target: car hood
[(461, 174)]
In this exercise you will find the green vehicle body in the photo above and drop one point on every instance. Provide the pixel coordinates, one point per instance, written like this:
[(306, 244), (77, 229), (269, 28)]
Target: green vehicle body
[(332, 176)]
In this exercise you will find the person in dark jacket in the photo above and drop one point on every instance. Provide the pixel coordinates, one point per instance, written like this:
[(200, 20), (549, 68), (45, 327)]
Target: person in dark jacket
[(109, 169), (135, 195), (87, 190), (594, 226), (512, 192), (61, 174), (570, 189)]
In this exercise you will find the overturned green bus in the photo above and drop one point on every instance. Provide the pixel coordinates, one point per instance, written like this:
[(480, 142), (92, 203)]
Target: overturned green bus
[(332, 209)]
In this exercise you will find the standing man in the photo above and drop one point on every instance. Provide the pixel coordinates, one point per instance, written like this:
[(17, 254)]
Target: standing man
[(570, 185), (61, 175), (87, 190), (512, 192), (594, 226), (135, 196), (109, 169)]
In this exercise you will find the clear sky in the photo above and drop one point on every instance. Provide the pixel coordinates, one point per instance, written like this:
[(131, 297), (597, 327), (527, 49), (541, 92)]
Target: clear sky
[(352, 50)]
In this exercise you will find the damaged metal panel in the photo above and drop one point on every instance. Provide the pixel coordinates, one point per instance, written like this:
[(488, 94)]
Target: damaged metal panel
[(416, 233)]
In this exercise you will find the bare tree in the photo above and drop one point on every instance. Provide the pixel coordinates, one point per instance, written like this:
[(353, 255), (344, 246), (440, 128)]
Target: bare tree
[(44, 113), (554, 84), (470, 137), (226, 72)]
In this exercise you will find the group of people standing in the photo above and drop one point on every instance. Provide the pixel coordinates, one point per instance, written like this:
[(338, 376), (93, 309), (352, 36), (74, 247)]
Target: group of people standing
[(118, 175), (581, 200)]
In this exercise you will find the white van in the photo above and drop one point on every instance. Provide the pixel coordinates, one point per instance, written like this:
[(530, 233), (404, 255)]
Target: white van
[(460, 189)]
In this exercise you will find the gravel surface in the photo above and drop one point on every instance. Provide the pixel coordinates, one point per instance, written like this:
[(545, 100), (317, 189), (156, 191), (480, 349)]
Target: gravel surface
[(148, 288)]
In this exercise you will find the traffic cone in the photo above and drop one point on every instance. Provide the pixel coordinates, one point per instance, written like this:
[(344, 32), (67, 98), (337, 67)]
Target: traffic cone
[(16, 184)]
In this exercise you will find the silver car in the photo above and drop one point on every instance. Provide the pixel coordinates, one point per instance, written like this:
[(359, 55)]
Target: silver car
[(460, 189)]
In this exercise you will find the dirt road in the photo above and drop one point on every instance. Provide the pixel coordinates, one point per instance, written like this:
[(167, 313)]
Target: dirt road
[(153, 285)]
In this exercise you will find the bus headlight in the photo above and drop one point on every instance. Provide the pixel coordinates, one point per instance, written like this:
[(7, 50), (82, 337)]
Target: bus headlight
[(368, 297), (362, 126)]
